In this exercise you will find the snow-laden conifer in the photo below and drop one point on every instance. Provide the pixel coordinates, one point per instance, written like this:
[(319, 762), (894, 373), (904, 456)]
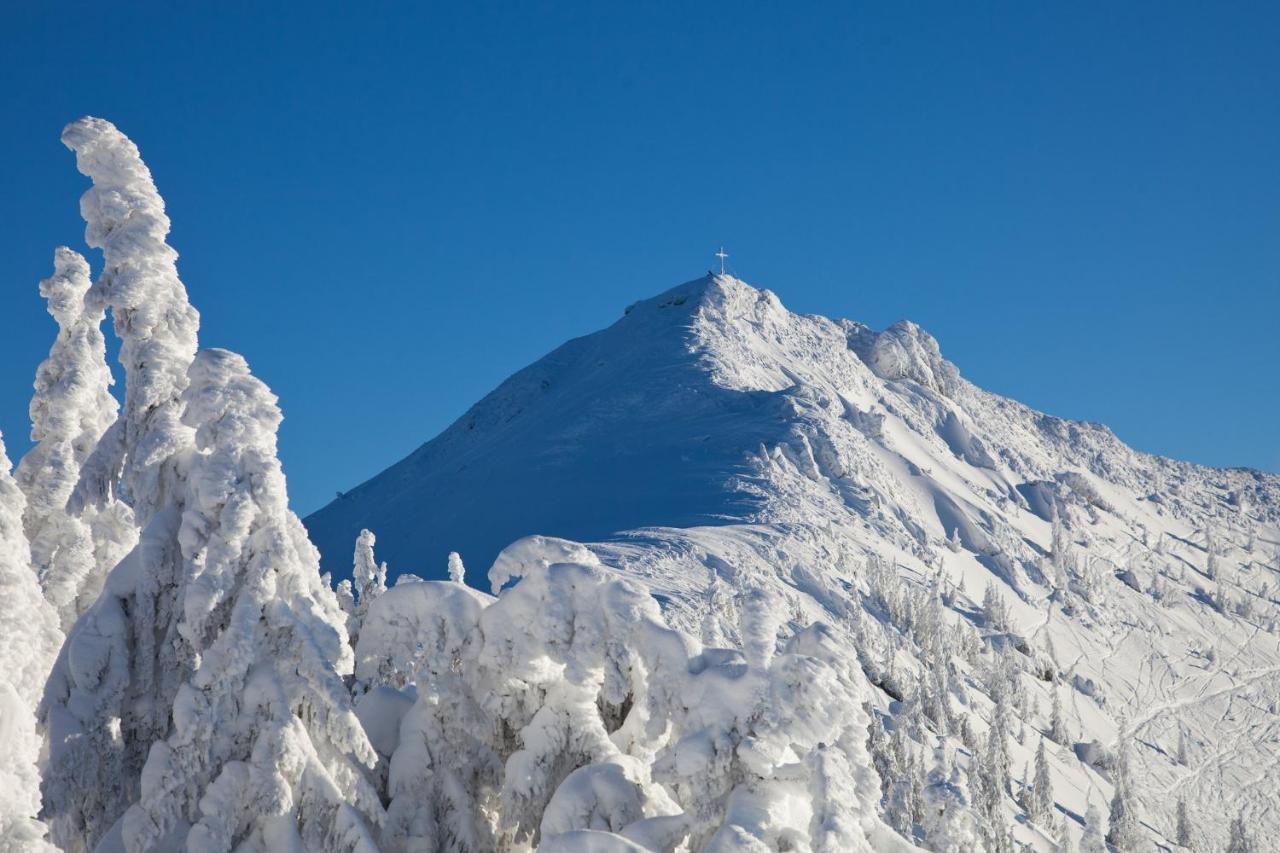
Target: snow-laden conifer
[(948, 813), (1042, 790), (457, 571), (1124, 832), (29, 640), (368, 581), (1093, 840), (264, 752), (111, 693), (157, 326), (1057, 725), (567, 705), (71, 409), (214, 656)]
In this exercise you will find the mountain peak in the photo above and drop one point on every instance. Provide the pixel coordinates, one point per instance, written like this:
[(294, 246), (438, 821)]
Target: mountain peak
[(660, 421), (718, 294)]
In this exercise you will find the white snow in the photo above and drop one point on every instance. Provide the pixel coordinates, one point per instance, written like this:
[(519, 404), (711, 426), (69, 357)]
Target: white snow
[(71, 410), (29, 639)]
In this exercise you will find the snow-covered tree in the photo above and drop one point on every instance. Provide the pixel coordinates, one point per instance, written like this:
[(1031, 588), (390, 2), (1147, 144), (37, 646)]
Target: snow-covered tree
[(156, 324), (760, 618), (71, 409), (111, 693), (265, 750), (29, 640), (1092, 840), (1024, 791), (994, 610), (202, 692), (1060, 546), (369, 580), (567, 705), (1042, 790), (993, 779), (1124, 832), (369, 577), (948, 814), (457, 571), (1057, 725), (998, 739)]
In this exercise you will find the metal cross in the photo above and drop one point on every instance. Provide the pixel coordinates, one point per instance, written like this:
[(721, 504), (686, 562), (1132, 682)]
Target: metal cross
[(721, 255)]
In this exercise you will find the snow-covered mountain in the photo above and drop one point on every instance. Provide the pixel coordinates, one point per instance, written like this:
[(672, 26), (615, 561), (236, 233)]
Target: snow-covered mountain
[(715, 447)]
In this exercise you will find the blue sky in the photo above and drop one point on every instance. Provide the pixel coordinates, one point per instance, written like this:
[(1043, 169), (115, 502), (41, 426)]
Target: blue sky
[(389, 210)]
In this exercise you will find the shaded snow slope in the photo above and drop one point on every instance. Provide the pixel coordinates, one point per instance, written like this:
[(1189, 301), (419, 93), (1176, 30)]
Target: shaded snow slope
[(718, 448), (613, 431)]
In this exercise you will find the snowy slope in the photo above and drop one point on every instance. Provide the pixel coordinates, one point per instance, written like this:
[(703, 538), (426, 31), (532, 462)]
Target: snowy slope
[(712, 436), (613, 431)]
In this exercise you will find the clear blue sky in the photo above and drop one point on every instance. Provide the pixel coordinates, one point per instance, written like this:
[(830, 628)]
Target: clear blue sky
[(389, 210)]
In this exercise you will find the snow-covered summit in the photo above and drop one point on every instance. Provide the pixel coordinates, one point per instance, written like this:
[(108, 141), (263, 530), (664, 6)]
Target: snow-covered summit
[(716, 447), (654, 422), (629, 427)]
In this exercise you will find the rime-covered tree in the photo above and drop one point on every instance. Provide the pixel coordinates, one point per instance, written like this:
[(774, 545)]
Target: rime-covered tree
[(1060, 546), (1024, 791), (1042, 790), (538, 712), (998, 739), (369, 580), (71, 409), (1124, 831), (214, 656), (265, 752), (29, 640), (111, 693), (1092, 840), (993, 778), (457, 571), (156, 324), (948, 811), (995, 612), (1057, 725)]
